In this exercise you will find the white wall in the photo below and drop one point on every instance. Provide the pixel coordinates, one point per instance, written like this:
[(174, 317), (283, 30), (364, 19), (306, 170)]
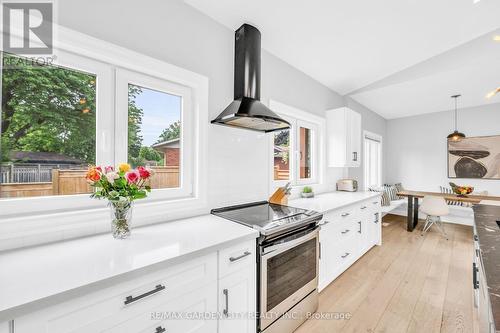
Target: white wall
[(178, 34), (416, 147)]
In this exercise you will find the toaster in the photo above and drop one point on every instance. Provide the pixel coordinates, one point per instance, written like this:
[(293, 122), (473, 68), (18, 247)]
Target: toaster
[(349, 185)]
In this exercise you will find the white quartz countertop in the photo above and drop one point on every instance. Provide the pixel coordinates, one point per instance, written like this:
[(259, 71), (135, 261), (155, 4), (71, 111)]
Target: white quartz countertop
[(32, 274), (332, 200)]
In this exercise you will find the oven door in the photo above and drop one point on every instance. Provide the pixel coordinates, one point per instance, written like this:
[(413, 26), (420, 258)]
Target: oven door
[(289, 272)]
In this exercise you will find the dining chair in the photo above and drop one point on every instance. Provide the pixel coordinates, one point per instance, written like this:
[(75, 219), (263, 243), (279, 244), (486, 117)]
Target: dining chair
[(434, 207)]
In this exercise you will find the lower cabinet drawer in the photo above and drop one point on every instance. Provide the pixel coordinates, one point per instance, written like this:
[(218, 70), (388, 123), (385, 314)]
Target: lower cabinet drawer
[(237, 257), (190, 313), (344, 255), (344, 231), (109, 306)]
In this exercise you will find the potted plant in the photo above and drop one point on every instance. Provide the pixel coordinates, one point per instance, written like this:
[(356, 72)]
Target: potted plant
[(121, 187), (307, 192)]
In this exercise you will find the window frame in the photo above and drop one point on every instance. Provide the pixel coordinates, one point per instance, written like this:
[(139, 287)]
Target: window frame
[(377, 138), (299, 118), (123, 79), (314, 152)]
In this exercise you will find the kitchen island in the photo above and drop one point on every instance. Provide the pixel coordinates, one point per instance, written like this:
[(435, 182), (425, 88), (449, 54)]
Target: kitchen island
[(486, 266)]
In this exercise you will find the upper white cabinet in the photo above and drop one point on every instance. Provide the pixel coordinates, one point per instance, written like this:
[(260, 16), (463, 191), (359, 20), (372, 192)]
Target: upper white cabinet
[(343, 127), (4, 327)]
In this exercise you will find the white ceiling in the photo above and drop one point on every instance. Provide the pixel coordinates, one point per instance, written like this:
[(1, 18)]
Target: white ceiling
[(397, 57)]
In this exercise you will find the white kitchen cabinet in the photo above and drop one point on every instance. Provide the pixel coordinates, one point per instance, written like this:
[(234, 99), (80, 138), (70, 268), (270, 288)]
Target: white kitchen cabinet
[(328, 249), (345, 235), (343, 127), (4, 327), (164, 300), (133, 299), (374, 222), (237, 301), (175, 315)]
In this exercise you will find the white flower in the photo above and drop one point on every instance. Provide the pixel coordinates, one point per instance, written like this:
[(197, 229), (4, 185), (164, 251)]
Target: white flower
[(111, 176)]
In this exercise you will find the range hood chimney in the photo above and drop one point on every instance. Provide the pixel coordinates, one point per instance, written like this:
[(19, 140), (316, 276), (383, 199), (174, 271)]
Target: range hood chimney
[(246, 111)]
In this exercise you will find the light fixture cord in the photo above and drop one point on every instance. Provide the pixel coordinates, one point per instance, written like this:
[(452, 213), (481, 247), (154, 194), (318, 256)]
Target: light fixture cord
[(456, 116)]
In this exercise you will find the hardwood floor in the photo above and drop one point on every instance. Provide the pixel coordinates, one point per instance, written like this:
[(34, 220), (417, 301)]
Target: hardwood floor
[(409, 284)]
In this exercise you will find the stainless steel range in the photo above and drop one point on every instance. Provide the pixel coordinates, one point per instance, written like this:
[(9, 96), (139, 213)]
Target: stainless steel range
[(287, 269)]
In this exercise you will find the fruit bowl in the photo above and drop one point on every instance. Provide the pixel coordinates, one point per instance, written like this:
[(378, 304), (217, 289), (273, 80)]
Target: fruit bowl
[(462, 190)]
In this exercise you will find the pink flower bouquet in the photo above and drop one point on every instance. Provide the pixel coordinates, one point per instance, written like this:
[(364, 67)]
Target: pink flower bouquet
[(121, 187)]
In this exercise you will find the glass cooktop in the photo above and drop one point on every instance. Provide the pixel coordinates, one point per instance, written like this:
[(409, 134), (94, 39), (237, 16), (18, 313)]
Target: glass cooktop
[(264, 216)]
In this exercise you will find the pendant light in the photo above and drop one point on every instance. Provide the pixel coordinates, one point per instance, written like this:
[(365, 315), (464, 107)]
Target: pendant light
[(456, 135)]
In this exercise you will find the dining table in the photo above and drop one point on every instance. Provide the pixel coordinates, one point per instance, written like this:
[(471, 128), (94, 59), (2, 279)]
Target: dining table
[(414, 196)]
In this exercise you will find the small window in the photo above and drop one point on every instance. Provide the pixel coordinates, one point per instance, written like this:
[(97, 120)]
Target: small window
[(294, 154), (154, 128), (373, 160), (154, 134), (48, 129), (305, 151), (281, 156)]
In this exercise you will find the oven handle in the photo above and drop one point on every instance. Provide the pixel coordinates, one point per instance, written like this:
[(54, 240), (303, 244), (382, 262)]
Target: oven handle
[(288, 245)]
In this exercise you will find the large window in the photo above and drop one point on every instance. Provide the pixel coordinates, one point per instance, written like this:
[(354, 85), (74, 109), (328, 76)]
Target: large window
[(48, 128), (373, 160), (96, 103), (295, 153)]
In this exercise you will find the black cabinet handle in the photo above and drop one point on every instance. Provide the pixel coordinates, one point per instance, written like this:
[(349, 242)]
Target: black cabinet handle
[(354, 156), (160, 329), (226, 296), (476, 238), (345, 231), (345, 255), (246, 253), (364, 207), (345, 214), (359, 222), (131, 299)]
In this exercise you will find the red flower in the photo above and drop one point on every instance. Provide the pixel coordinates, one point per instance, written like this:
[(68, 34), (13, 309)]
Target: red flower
[(108, 169), (143, 172), (93, 174), (132, 176)]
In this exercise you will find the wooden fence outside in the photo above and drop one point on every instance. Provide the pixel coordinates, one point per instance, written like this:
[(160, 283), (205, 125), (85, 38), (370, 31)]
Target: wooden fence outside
[(31, 173), (67, 182), (281, 174)]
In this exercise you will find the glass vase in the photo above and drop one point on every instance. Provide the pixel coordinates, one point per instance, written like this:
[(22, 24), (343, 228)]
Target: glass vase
[(121, 218)]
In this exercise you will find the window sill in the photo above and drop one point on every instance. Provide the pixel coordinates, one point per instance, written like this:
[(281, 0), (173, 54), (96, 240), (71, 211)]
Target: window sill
[(36, 229)]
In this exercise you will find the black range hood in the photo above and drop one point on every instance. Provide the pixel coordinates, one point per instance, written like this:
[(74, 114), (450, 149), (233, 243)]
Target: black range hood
[(246, 111)]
